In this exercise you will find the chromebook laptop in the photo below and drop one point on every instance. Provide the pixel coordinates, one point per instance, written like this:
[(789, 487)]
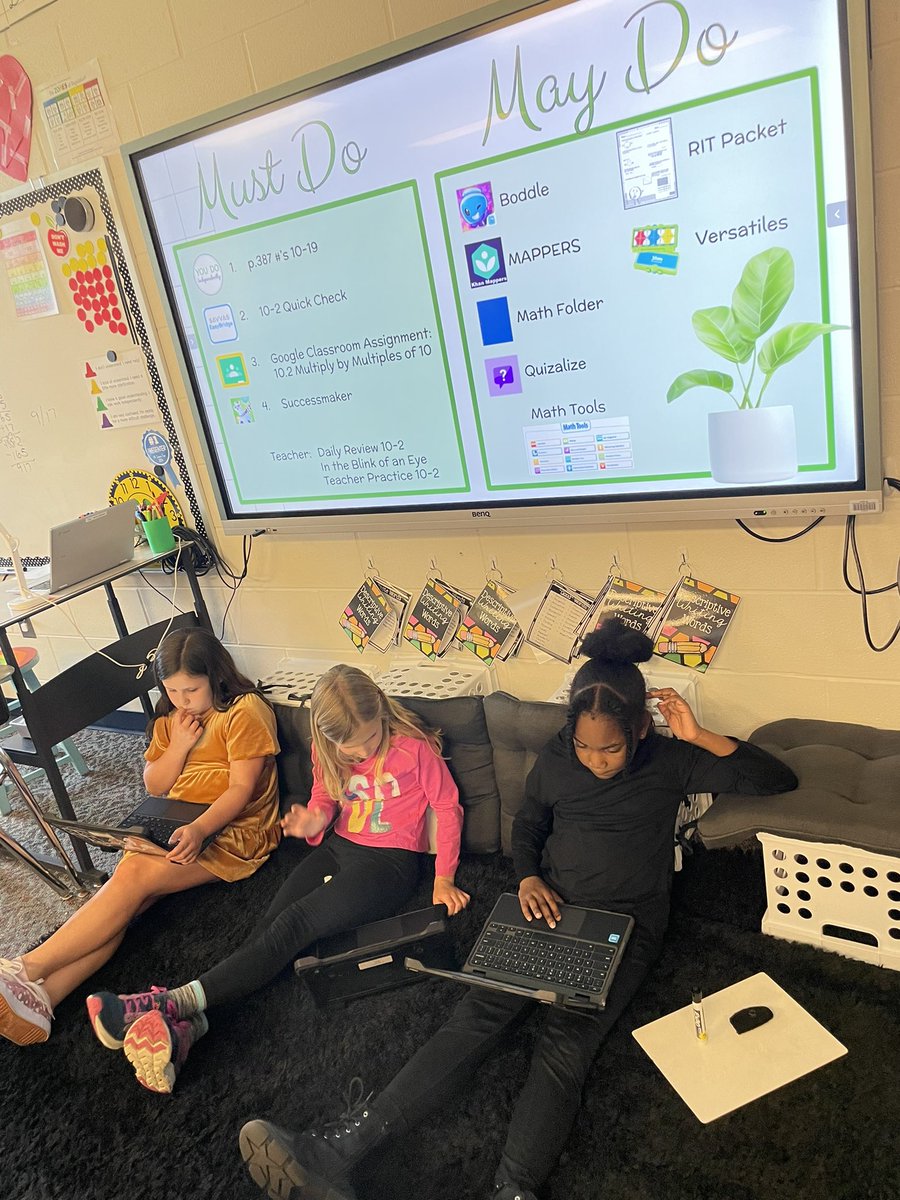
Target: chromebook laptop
[(148, 828), (88, 546), (572, 965)]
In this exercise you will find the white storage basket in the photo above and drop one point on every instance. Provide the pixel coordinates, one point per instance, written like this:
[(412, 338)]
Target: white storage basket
[(836, 897)]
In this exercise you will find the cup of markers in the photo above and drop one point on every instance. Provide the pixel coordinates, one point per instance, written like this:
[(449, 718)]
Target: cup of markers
[(155, 524)]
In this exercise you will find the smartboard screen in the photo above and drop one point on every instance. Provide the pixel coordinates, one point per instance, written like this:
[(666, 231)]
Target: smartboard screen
[(595, 258)]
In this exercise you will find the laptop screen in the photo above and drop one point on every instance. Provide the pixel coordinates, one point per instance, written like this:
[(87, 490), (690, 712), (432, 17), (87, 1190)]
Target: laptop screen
[(90, 545)]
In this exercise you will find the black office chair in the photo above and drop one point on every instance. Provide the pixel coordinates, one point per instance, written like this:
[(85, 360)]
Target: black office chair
[(71, 701), (61, 876)]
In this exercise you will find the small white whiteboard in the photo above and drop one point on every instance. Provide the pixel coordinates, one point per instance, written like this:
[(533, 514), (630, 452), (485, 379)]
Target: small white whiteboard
[(730, 1069)]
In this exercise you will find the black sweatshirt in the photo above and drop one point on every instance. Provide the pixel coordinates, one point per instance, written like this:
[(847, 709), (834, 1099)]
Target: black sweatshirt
[(608, 843)]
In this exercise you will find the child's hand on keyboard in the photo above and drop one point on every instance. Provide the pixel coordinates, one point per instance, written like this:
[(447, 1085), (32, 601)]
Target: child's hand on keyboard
[(538, 899), (186, 843)]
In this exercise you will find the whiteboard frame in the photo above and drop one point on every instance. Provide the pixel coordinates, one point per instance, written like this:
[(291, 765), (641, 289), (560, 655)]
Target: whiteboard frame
[(774, 506)]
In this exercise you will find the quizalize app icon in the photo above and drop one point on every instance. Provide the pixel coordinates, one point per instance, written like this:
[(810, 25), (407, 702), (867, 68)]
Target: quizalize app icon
[(476, 206), (503, 378), (485, 262)]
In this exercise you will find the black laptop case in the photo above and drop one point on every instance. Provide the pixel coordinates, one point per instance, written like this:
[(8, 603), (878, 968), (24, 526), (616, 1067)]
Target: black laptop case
[(370, 959)]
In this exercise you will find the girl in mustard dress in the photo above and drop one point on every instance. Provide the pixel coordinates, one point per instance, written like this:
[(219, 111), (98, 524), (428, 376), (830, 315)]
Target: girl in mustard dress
[(213, 743)]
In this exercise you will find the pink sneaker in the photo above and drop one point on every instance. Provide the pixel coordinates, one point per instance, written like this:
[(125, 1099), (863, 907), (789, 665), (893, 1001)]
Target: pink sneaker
[(157, 1045), (25, 1008), (110, 1015)]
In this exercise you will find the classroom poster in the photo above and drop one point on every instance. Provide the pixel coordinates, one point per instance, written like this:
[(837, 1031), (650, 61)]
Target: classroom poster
[(27, 272), (78, 120)]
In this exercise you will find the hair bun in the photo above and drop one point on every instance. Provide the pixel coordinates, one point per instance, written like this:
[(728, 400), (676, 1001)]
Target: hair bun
[(617, 642)]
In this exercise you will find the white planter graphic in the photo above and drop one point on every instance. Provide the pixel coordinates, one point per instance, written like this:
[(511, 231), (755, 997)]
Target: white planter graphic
[(753, 445)]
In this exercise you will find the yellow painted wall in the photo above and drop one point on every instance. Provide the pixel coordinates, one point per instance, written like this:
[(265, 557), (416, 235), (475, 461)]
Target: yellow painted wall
[(797, 646)]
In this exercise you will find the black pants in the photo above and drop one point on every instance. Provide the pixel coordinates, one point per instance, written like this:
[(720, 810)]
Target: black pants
[(368, 883), (548, 1105)]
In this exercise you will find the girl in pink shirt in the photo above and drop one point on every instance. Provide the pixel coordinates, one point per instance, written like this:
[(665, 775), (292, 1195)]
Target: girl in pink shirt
[(377, 774)]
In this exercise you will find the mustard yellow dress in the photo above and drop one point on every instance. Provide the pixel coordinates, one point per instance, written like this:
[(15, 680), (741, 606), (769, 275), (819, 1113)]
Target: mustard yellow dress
[(246, 730)]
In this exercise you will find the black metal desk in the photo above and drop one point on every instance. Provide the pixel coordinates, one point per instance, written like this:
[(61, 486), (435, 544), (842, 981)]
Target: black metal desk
[(35, 749)]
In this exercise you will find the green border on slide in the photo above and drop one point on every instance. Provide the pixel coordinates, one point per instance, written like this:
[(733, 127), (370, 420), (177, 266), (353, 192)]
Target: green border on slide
[(812, 76), (195, 243)]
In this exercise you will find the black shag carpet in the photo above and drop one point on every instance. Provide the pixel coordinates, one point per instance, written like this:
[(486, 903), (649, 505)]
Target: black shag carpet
[(75, 1125)]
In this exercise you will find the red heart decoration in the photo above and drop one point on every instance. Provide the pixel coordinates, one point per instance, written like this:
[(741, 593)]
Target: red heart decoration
[(15, 118)]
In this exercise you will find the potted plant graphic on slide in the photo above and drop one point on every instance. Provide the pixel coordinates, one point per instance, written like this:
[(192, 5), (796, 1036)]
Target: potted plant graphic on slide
[(747, 443)]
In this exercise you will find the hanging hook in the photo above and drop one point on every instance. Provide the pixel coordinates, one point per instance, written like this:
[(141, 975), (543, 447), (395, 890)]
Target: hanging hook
[(614, 567), (684, 567), (495, 574), (371, 569), (554, 572)]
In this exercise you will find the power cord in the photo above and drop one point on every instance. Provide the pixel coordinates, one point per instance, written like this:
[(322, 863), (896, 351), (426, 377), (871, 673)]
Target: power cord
[(862, 591), (761, 537), (850, 546), (207, 558), (140, 667)]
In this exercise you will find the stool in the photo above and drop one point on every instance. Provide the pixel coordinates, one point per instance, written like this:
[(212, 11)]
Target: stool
[(27, 659)]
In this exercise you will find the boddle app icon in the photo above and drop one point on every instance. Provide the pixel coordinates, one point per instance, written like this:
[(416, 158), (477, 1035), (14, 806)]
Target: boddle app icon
[(485, 262)]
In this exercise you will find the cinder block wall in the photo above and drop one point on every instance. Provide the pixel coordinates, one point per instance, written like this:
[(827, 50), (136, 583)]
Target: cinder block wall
[(797, 647)]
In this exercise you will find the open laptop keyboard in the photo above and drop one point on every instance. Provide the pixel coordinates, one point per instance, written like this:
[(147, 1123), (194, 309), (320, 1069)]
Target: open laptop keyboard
[(157, 829), (542, 956)]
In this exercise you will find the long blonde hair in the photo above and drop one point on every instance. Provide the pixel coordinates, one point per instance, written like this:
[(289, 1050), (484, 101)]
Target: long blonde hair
[(345, 698)]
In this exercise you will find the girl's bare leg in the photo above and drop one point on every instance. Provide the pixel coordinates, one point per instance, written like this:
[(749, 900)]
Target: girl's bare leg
[(92, 935)]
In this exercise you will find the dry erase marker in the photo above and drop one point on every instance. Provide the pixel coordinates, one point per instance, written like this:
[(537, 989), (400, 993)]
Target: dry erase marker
[(699, 1015)]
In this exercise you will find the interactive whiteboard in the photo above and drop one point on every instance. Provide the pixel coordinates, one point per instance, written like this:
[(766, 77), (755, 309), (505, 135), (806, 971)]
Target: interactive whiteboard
[(599, 259)]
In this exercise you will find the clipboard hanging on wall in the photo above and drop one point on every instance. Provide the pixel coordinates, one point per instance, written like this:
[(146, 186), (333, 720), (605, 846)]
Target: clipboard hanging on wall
[(88, 382)]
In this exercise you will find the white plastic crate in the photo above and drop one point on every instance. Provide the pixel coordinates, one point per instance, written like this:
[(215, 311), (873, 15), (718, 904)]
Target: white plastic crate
[(435, 681), (293, 679), (835, 897)]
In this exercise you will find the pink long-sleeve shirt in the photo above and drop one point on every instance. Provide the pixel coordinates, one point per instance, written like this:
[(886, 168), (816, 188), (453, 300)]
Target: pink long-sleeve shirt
[(391, 809)]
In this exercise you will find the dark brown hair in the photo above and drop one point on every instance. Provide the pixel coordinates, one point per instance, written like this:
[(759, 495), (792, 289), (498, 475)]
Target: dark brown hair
[(198, 652)]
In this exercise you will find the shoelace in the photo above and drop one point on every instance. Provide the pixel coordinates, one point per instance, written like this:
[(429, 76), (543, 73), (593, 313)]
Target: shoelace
[(136, 1004), (355, 1111)]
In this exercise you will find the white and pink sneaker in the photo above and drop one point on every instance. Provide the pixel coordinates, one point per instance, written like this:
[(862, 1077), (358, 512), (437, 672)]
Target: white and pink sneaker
[(25, 1008)]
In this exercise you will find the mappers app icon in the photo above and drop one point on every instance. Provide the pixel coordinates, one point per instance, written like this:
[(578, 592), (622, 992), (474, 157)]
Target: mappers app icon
[(485, 262)]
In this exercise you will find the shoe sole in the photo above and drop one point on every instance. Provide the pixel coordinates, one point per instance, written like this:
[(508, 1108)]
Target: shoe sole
[(95, 1015), (273, 1167), (148, 1047), (19, 1028)]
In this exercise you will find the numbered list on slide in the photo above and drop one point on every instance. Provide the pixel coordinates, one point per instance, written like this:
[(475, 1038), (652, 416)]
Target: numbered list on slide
[(323, 354)]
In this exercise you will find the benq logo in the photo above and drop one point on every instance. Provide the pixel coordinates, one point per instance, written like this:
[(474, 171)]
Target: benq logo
[(481, 512)]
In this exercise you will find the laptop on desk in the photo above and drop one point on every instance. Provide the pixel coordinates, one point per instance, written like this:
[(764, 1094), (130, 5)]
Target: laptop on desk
[(88, 546), (147, 828), (572, 965)]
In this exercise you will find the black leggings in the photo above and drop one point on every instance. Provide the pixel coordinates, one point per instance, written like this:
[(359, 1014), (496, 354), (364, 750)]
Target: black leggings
[(368, 883), (548, 1104)]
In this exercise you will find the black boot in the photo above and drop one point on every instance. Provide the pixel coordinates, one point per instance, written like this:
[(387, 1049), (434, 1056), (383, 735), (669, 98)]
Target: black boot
[(511, 1191), (313, 1165)]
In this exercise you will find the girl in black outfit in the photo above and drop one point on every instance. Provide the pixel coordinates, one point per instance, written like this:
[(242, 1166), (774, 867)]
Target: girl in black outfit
[(595, 829)]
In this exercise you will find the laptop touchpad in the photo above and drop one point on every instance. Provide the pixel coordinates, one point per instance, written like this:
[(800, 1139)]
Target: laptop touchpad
[(572, 921)]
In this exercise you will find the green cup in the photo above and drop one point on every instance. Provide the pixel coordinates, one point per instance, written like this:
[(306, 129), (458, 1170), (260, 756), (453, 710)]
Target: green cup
[(159, 535)]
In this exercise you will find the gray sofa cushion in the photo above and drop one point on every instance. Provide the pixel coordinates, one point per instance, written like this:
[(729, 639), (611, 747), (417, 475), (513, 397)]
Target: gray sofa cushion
[(467, 747), (518, 729), (849, 789)]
